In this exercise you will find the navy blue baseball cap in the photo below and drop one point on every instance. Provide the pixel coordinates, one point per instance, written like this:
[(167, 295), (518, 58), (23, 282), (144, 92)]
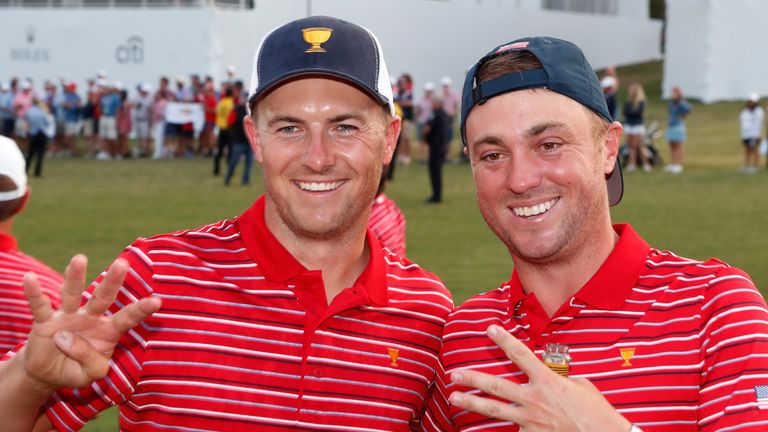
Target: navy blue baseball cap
[(321, 45), (565, 70)]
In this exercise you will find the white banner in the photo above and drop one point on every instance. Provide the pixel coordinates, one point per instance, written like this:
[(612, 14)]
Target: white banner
[(185, 112)]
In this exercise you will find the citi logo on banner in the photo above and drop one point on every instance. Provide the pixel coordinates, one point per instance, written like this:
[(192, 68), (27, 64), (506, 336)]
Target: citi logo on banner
[(132, 51)]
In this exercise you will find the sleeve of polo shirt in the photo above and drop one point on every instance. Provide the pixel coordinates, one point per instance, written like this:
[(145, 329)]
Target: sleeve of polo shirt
[(734, 354), (70, 409), (437, 416)]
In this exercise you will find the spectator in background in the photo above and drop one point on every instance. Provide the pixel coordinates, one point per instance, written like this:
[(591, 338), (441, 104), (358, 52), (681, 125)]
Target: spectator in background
[(436, 137), (185, 132), (7, 116), (109, 103), (677, 110), (38, 121), (634, 128), (15, 316), (608, 83), (751, 119), (423, 114), (124, 124), (387, 221), (22, 101), (207, 135), (71, 106), (405, 100), (142, 116), (161, 99), (224, 120), (239, 145), (90, 114), (451, 106)]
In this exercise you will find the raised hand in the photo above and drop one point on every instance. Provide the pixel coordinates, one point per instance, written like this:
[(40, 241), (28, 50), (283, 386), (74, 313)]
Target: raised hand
[(71, 347), (548, 402)]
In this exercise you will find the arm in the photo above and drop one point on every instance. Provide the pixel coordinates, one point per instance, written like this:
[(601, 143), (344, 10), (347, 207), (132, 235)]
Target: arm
[(548, 402), (70, 347)]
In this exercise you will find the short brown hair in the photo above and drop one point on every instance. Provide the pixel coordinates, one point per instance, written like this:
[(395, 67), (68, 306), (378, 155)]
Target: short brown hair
[(8, 208)]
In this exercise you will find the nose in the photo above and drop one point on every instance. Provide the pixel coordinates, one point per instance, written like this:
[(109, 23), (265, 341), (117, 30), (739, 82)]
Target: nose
[(319, 155), (523, 172)]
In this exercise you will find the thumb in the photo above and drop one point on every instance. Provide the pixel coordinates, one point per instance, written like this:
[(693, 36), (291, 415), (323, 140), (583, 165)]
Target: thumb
[(93, 364)]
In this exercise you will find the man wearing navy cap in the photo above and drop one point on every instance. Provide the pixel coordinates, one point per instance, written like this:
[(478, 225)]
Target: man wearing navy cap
[(289, 317), (595, 330)]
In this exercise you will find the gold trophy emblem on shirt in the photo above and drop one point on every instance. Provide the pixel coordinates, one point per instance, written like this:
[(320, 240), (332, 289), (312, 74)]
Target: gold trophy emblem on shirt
[(316, 36), (627, 354), (394, 353), (556, 357)]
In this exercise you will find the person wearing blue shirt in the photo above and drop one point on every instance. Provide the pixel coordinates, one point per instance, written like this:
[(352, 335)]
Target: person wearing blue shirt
[(71, 112), (38, 120), (677, 108)]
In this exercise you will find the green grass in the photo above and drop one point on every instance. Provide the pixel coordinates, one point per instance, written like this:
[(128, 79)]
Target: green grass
[(711, 210)]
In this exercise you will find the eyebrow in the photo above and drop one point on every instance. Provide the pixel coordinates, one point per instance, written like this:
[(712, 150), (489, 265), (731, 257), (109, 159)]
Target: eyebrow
[(544, 127), (531, 132), (283, 118)]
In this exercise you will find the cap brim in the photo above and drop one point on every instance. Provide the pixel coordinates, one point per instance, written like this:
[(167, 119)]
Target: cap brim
[(615, 183)]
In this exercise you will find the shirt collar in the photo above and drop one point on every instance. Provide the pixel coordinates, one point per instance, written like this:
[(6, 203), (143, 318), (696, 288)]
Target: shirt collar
[(279, 265), (619, 272), (8, 243)]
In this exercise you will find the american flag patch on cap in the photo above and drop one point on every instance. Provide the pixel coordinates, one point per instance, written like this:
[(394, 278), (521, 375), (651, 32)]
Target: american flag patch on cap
[(761, 394)]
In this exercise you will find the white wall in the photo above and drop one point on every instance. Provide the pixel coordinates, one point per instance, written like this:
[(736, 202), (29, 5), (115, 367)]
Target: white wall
[(429, 39), (715, 48)]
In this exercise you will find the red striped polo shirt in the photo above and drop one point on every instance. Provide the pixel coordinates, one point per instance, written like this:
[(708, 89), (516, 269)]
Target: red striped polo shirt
[(674, 344), (388, 223), (15, 316), (245, 339)]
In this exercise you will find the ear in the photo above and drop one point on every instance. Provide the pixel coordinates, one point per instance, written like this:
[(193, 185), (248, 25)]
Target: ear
[(391, 135), (253, 138), (611, 142)]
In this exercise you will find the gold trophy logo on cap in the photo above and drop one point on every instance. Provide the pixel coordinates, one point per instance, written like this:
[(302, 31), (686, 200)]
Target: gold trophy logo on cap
[(316, 36), (556, 357)]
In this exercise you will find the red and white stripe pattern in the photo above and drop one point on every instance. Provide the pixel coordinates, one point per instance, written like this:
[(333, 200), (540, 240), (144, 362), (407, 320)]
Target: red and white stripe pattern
[(245, 340), (15, 316), (693, 334), (388, 223)]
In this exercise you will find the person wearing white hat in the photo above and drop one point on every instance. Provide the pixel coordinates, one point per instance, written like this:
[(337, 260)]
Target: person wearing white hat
[(15, 319), (751, 119)]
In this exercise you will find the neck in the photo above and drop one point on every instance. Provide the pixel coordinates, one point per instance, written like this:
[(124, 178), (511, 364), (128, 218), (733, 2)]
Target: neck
[(341, 258), (554, 283)]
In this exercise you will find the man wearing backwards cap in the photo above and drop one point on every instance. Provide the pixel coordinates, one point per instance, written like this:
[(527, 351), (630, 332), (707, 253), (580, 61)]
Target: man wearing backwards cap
[(15, 317), (634, 337), (288, 317)]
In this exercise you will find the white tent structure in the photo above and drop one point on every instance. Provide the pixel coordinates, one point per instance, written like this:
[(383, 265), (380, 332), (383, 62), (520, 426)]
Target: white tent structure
[(714, 49)]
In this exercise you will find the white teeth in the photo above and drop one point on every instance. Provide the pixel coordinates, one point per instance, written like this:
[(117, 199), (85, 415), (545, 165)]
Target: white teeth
[(318, 187), (535, 210)]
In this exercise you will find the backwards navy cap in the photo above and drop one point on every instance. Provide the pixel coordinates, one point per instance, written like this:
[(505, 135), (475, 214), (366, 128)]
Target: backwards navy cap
[(565, 70), (321, 45)]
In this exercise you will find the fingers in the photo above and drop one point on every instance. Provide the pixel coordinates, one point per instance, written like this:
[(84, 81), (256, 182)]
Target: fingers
[(93, 363), (39, 303), (131, 315), (74, 284), (516, 351), (105, 292), (489, 384), (488, 407)]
